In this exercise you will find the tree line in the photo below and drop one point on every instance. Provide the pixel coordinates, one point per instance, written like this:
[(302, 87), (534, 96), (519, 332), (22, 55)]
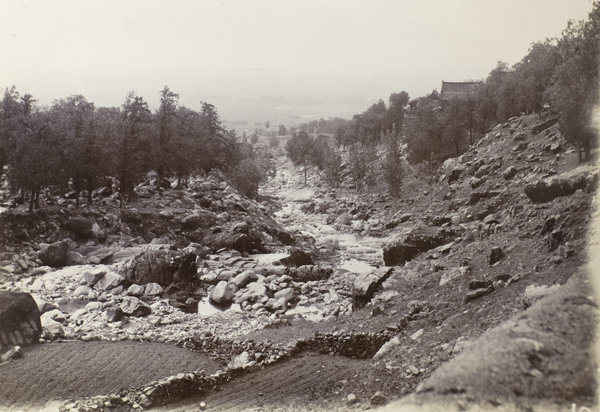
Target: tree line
[(558, 76), (74, 145)]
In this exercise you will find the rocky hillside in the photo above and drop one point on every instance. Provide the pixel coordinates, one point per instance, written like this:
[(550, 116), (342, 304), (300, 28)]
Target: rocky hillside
[(392, 289)]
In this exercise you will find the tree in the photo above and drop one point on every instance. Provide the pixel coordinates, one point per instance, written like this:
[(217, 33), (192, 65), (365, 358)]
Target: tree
[(361, 160), (282, 130), (11, 111), (299, 150), (575, 89), (395, 112), (133, 155), (273, 140), (165, 121), (393, 171)]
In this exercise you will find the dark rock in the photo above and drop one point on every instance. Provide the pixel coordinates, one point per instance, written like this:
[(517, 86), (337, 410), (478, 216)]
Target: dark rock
[(114, 314), (544, 191), (548, 225), (20, 323), (555, 239), (479, 284), (297, 257), (199, 219), (544, 125), (455, 174), (54, 254), (81, 227), (132, 306), (477, 293), (520, 147), (160, 265), (131, 216), (496, 254)]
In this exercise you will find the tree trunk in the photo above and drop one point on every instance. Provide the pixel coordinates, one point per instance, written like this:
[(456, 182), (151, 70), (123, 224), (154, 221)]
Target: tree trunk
[(37, 198), (77, 199), (32, 201), (89, 193)]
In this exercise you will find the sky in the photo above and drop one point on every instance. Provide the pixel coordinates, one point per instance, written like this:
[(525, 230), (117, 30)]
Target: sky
[(258, 60)]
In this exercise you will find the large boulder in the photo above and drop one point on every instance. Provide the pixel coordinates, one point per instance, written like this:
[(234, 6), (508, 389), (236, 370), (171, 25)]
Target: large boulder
[(20, 323), (297, 257), (544, 191), (366, 284), (416, 241), (132, 306), (221, 294), (199, 219), (54, 254), (160, 265)]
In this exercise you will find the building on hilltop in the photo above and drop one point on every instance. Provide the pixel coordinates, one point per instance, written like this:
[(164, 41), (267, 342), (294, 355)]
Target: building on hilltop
[(458, 90)]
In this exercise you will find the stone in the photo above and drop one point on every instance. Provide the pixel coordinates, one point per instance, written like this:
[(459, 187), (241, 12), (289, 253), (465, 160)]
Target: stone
[(343, 220), (366, 284), (14, 353), (20, 322), (242, 279), (153, 289), (160, 265), (413, 369), (240, 361), (543, 191), (509, 172), (288, 294), (387, 348), (378, 399), (53, 330), (455, 173), (297, 257), (108, 281), (74, 258), (93, 276), (53, 315), (496, 254), (477, 293), (254, 292), (135, 290), (81, 227), (114, 314), (44, 306), (222, 293), (416, 241), (199, 219), (351, 398), (132, 306), (82, 290), (54, 254)]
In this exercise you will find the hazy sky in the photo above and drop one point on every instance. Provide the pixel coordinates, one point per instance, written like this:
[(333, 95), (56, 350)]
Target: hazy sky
[(259, 54)]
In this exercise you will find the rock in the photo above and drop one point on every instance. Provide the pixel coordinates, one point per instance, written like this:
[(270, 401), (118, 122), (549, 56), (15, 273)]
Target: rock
[(351, 398), (132, 306), (496, 254), (387, 348), (135, 290), (509, 173), (378, 399), (20, 323), (93, 276), (455, 173), (240, 361), (153, 289), (53, 330), (222, 293), (74, 258), (81, 227), (114, 314), (53, 315), (365, 285), (131, 215), (543, 191), (255, 292), (199, 219), (44, 306), (413, 369), (241, 280), (82, 290), (475, 182), (14, 353), (537, 128), (54, 254), (477, 293), (416, 241), (288, 294), (343, 220), (155, 264), (108, 281), (297, 257)]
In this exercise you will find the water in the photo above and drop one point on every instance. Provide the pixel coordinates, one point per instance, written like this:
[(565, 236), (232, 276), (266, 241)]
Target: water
[(206, 308)]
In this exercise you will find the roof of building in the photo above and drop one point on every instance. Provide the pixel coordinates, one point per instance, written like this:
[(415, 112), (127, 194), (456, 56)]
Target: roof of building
[(451, 90)]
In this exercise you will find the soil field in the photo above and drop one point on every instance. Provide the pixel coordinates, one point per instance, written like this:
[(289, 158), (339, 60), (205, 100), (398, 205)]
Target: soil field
[(310, 382), (66, 370)]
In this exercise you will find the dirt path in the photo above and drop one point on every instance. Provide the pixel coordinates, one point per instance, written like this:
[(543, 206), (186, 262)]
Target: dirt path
[(78, 369)]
